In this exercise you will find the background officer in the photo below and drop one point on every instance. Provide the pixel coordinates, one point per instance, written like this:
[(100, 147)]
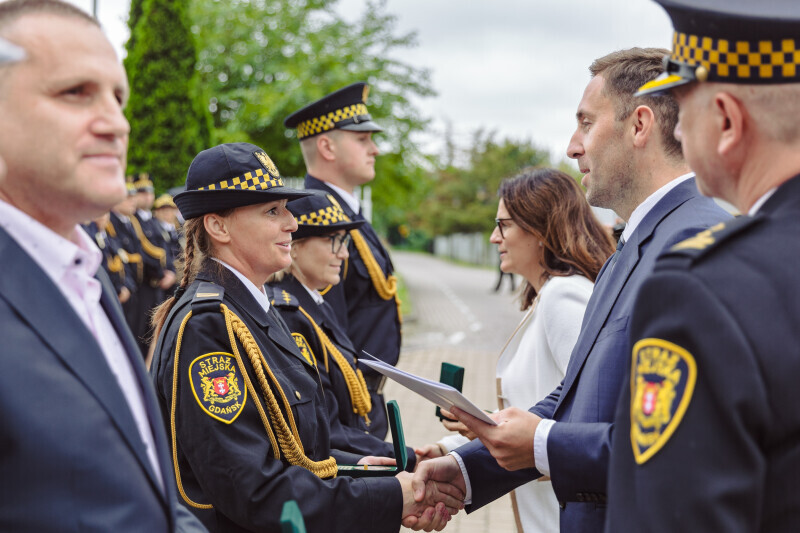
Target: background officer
[(335, 135), (707, 428)]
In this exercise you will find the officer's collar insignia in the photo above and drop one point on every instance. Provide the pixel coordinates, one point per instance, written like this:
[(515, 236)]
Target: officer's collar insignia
[(305, 349), (218, 386), (702, 240), (264, 159), (284, 299), (663, 376)]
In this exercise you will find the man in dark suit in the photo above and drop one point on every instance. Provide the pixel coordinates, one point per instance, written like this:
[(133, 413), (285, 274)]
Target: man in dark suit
[(83, 445), (633, 165), (335, 135), (708, 425)]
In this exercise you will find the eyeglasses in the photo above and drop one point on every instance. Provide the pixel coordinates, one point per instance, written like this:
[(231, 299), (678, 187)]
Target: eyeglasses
[(499, 222), (337, 241)]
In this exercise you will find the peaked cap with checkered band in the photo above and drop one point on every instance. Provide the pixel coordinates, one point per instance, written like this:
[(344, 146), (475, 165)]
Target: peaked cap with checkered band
[(345, 109), (320, 214), (231, 175), (731, 41)]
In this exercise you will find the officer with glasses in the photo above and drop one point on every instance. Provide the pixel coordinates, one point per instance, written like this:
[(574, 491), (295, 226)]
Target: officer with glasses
[(319, 256)]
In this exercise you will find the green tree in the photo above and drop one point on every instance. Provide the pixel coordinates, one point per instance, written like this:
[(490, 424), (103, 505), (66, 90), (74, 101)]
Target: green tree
[(169, 124), (463, 198), (263, 59)]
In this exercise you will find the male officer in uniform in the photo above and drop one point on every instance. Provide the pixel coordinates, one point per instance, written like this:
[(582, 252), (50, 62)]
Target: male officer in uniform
[(159, 273), (335, 135), (708, 424), (633, 165), (83, 444)]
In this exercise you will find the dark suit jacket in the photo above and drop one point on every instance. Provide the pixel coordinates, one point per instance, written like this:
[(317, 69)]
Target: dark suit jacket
[(578, 446), (72, 458), (727, 458)]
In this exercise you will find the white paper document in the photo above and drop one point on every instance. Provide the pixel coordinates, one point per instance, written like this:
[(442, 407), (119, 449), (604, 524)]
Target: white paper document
[(440, 394)]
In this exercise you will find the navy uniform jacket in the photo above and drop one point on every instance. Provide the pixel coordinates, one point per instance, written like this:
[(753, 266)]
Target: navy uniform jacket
[(225, 457), (584, 404), (729, 299), (112, 262), (72, 458), (122, 231), (348, 429), (155, 259), (372, 323)]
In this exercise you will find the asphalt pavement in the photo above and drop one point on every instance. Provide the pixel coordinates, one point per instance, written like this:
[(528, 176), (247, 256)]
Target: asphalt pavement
[(458, 318)]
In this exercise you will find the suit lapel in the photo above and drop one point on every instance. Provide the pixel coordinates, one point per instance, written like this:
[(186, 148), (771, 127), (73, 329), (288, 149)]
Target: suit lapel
[(42, 305), (611, 281)]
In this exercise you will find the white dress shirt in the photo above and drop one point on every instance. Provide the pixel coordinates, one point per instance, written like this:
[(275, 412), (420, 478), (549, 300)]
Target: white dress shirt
[(351, 200), (258, 293), (72, 265)]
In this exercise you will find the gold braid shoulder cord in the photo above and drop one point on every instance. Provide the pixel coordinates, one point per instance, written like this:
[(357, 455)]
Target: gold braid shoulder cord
[(385, 287), (149, 248), (356, 386), (288, 440)]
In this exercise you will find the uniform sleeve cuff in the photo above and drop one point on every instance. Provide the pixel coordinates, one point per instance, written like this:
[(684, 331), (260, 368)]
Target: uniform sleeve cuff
[(468, 495), (540, 446)]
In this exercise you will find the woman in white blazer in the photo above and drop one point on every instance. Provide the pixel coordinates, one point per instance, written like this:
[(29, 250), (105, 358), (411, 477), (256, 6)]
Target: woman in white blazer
[(546, 233)]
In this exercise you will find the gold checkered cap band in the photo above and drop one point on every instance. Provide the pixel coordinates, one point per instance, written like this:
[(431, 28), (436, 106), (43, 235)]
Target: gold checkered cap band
[(760, 61), (257, 180), (323, 217), (330, 120)]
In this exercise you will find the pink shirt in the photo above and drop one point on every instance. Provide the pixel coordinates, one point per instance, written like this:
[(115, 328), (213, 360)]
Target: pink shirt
[(72, 265)]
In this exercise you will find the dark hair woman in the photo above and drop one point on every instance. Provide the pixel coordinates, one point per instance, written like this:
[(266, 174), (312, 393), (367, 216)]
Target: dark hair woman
[(244, 407), (546, 232), (319, 250)]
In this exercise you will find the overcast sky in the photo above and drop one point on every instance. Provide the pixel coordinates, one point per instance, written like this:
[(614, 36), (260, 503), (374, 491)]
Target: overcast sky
[(517, 67)]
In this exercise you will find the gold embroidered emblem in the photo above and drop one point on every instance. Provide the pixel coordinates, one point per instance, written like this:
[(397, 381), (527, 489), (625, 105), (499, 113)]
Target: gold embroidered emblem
[(305, 349), (702, 240), (215, 379), (264, 159), (663, 376), (365, 94)]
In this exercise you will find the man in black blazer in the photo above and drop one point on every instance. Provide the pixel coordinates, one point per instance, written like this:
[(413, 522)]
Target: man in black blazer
[(83, 445), (335, 135)]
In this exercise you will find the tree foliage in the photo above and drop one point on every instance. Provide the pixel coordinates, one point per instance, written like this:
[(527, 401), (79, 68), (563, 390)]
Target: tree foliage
[(169, 124), (261, 60), (463, 198)]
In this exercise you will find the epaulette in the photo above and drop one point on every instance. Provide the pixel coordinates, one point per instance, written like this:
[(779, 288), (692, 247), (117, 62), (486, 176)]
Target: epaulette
[(692, 249), (283, 299), (207, 298)]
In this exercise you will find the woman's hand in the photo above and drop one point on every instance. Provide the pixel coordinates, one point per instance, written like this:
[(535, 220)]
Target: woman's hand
[(429, 451), (454, 425)]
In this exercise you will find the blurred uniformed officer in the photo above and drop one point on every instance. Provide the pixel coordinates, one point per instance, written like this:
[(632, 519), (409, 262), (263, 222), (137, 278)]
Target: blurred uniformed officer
[(335, 135), (121, 230), (166, 212), (319, 246), (707, 430), (159, 273), (244, 406), (112, 260)]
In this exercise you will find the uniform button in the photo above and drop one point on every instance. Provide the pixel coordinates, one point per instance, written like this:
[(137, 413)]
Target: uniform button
[(563, 505), (297, 393)]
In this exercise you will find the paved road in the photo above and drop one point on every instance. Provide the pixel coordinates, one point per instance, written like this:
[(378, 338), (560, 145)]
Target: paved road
[(456, 317)]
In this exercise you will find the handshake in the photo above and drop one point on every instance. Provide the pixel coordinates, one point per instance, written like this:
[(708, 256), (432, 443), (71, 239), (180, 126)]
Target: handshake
[(433, 494), (437, 489)]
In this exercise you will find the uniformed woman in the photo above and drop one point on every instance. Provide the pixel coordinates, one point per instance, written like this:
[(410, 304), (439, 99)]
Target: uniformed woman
[(319, 249), (243, 406)]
